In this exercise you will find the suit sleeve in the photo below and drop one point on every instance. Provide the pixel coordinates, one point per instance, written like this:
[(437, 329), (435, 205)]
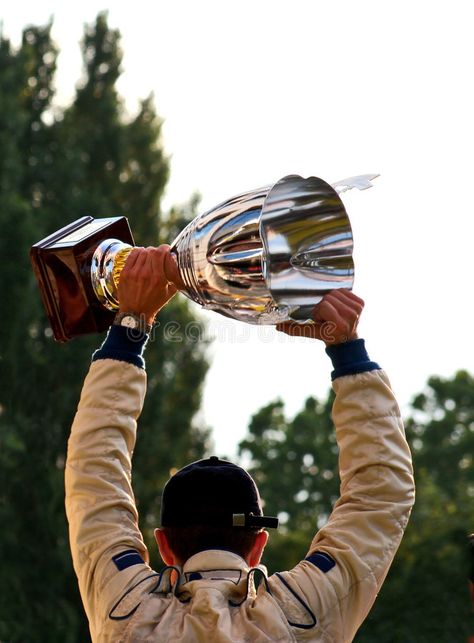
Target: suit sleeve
[(333, 589), (108, 551)]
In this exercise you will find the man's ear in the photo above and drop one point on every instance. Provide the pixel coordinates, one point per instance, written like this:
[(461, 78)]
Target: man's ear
[(164, 548), (256, 552)]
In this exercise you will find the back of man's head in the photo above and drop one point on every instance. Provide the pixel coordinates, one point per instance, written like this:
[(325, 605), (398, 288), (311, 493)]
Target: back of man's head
[(212, 504)]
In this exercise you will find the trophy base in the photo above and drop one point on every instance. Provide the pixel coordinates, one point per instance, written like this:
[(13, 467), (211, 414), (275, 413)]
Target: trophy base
[(62, 264)]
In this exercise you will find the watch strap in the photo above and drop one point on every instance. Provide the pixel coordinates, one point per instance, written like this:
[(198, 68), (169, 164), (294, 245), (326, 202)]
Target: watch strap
[(140, 324)]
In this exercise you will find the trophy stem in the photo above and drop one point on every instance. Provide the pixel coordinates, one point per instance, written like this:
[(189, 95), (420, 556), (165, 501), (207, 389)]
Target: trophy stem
[(119, 263), (107, 263)]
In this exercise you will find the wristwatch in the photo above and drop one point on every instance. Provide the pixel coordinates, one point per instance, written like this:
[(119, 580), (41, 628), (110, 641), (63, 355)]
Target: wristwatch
[(132, 321)]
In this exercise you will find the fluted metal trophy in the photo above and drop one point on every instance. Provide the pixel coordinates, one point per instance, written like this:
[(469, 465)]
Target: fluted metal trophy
[(263, 257)]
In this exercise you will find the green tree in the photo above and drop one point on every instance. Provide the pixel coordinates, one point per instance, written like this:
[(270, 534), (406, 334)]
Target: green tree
[(425, 597), (294, 461), (294, 464), (57, 165), (441, 431)]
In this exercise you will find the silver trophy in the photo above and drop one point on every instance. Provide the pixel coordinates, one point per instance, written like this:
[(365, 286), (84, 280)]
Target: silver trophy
[(269, 255), (264, 257)]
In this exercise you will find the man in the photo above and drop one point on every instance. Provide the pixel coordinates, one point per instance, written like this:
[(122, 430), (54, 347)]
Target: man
[(211, 537)]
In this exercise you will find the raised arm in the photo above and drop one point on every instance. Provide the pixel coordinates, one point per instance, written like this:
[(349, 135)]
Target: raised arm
[(107, 547), (350, 556)]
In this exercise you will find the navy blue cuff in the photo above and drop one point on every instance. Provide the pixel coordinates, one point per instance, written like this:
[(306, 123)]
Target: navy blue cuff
[(124, 345), (350, 358)]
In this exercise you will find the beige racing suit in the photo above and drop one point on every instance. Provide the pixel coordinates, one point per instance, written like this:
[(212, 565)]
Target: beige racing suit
[(323, 598)]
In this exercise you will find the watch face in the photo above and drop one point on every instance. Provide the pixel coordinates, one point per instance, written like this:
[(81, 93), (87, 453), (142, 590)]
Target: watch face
[(129, 321)]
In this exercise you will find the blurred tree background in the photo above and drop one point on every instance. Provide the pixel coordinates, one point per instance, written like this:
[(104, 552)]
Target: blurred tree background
[(57, 165), (93, 158), (425, 597)]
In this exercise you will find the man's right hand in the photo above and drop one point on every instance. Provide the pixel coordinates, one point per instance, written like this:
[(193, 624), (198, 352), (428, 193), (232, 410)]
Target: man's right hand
[(336, 318), (145, 284)]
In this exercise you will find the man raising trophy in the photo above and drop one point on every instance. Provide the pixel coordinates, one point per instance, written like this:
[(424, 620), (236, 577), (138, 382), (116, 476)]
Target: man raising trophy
[(213, 531)]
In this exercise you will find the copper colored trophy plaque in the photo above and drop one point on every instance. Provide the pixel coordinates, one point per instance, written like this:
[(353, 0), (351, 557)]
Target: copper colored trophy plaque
[(62, 264)]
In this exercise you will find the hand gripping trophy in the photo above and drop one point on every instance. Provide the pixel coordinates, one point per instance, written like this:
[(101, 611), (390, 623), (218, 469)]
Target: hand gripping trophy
[(264, 257)]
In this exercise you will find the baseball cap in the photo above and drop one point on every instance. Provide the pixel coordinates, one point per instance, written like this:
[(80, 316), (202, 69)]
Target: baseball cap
[(213, 493)]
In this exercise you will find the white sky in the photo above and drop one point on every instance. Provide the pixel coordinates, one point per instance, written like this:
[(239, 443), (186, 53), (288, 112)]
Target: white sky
[(257, 89)]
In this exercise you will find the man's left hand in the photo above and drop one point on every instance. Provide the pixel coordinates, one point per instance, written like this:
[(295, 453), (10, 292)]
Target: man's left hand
[(336, 318)]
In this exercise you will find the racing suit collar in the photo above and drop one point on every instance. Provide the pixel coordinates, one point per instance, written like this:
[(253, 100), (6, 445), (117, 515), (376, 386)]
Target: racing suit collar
[(221, 568), (218, 560)]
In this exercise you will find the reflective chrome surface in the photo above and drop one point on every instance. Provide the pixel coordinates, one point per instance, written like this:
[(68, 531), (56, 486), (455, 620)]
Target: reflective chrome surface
[(104, 271), (264, 256), (220, 258), (269, 255), (307, 242)]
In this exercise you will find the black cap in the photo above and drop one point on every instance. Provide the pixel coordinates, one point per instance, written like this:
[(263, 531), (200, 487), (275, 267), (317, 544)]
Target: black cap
[(213, 493)]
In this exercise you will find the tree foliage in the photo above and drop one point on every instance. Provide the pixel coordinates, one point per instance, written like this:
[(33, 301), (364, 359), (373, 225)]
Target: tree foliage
[(294, 464), (92, 158), (294, 461), (58, 165)]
